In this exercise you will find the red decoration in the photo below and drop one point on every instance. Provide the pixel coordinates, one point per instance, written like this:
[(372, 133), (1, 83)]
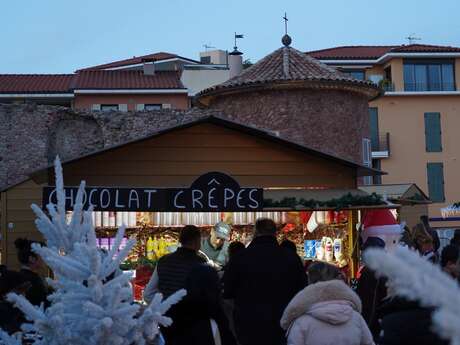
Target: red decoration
[(143, 274)]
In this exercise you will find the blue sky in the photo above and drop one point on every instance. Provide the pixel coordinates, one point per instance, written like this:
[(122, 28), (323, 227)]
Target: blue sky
[(60, 36)]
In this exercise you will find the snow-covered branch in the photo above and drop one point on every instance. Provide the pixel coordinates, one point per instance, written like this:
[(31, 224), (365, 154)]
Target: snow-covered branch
[(414, 278)]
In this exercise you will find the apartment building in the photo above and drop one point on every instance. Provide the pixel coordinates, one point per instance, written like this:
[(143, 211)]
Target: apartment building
[(415, 125), (148, 82)]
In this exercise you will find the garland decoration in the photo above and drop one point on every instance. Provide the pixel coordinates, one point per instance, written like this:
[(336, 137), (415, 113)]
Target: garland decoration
[(346, 201)]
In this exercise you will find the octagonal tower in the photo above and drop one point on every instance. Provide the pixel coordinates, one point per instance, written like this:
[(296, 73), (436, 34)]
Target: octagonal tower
[(300, 98)]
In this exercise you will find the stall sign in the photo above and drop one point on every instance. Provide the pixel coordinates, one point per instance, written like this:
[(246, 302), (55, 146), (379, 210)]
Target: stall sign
[(210, 192)]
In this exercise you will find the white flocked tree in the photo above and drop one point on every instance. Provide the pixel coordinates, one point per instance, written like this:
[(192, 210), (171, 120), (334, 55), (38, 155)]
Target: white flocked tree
[(417, 279), (86, 307)]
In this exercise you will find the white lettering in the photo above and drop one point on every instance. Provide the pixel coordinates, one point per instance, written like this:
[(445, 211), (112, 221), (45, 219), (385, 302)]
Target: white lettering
[(133, 196), (211, 198), (228, 197), (239, 197), (85, 196), (256, 203), (117, 203), (149, 196), (69, 197), (175, 200), (196, 200), (50, 199), (101, 198), (90, 198)]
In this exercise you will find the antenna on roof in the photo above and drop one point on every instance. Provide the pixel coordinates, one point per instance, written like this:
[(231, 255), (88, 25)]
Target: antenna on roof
[(206, 47), (411, 38)]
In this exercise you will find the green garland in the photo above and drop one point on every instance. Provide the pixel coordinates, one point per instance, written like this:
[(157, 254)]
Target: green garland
[(343, 202)]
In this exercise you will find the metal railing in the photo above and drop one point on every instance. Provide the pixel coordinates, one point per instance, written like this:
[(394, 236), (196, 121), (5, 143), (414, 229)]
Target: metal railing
[(429, 86), (382, 143)]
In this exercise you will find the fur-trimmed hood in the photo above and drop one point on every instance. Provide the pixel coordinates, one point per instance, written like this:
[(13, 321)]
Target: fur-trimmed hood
[(332, 290)]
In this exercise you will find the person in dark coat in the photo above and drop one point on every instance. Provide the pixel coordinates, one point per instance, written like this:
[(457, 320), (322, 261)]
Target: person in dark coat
[(261, 281), (371, 289), (202, 305), (172, 270), (450, 261), (433, 233), (406, 322)]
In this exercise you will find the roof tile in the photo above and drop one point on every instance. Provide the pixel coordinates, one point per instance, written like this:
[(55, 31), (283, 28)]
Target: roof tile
[(136, 60), (375, 52), (35, 83), (286, 64)]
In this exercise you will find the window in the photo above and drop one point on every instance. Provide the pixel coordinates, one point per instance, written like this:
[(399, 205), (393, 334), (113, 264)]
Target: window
[(422, 75), (435, 175), (374, 122), (205, 60), (357, 74), (109, 107), (433, 140), (149, 107)]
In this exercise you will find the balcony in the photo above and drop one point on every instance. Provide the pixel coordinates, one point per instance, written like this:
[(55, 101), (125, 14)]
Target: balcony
[(381, 146), (421, 87)]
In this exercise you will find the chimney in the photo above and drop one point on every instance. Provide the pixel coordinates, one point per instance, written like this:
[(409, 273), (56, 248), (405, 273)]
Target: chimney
[(235, 62), (148, 66)]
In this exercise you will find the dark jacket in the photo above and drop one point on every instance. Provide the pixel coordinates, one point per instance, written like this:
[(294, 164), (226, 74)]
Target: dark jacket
[(35, 291), (372, 291), (192, 325), (174, 268), (406, 322), (262, 280)]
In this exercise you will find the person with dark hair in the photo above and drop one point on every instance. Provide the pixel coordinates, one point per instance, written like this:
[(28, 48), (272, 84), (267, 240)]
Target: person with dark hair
[(31, 265), (200, 319), (289, 245), (261, 280), (326, 312), (456, 238), (371, 289), (321, 271), (234, 248), (433, 233), (172, 270), (450, 264)]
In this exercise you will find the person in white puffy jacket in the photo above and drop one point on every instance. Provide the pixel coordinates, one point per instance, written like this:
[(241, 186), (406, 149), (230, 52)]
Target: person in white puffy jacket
[(325, 312)]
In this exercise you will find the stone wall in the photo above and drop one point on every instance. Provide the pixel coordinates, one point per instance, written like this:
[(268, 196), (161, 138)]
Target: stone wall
[(331, 121), (31, 135)]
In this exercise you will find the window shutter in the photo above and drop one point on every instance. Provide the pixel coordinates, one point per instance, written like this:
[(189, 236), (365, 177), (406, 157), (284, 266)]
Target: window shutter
[(123, 107), (433, 139), (96, 107), (435, 174), (166, 106), (366, 152), (140, 107)]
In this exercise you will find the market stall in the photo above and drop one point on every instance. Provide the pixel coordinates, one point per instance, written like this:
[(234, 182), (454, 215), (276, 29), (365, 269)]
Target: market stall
[(321, 222)]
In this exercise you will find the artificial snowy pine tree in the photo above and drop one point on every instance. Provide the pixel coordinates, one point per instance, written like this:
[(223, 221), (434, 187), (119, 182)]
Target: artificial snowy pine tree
[(85, 308), (416, 279)]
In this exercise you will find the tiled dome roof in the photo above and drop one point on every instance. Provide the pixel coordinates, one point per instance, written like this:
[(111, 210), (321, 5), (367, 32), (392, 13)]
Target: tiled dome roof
[(288, 64)]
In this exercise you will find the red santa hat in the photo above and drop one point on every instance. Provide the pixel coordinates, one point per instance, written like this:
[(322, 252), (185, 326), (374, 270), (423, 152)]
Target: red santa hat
[(380, 223)]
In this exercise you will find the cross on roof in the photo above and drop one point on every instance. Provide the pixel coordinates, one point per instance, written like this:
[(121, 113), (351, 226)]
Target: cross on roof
[(285, 23)]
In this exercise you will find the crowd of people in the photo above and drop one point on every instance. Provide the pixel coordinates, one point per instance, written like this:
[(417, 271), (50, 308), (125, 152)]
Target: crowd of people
[(263, 294)]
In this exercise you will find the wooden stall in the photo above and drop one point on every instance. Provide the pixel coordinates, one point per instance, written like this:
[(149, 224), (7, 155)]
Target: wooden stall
[(283, 171)]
